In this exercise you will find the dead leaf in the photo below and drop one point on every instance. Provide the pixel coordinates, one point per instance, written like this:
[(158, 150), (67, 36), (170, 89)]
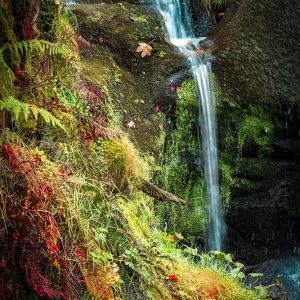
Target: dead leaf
[(145, 49)]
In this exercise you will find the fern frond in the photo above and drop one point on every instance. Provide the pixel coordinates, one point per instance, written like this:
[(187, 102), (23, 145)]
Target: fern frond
[(6, 76), (17, 109), (20, 48), (25, 48)]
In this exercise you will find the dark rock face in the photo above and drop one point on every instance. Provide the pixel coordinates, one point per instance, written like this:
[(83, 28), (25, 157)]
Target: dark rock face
[(258, 59), (264, 215), (257, 62)]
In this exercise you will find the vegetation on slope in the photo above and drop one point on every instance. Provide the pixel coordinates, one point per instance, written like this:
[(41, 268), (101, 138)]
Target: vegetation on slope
[(73, 223)]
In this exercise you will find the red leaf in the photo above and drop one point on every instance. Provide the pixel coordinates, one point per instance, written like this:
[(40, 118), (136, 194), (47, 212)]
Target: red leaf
[(173, 88), (157, 108), (213, 293), (79, 254), (87, 136), (172, 277), (101, 40), (61, 171), (18, 71), (47, 191), (52, 248), (16, 236), (37, 159), (82, 42), (174, 238), (10, 153)]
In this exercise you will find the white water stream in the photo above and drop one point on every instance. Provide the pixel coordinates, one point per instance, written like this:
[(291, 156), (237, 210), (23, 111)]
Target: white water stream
[(180, 33)]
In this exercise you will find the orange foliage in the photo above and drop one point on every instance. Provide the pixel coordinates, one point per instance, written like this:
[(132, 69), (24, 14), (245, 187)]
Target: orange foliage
[(98, 280)]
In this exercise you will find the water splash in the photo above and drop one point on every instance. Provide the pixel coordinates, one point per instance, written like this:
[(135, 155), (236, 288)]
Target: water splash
[(180, 33)]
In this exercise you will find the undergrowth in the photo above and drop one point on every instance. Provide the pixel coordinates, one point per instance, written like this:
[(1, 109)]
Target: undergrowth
[(214, 4)]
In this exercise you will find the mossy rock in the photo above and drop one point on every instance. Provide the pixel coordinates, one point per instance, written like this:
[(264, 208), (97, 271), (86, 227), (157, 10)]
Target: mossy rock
[(136, 85), (258, 56)]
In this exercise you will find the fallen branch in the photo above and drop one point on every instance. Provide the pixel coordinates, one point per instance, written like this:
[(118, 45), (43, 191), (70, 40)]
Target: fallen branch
[(158, 194)]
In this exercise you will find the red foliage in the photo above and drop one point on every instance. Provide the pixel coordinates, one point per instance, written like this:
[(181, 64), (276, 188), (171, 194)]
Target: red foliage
[(6, 289), (63, 172), (52, 248), (103, 119), (157, 108), (87, 136), (100, 131), (79, 253), (10, 151), (27, 262), (18, 71), (28, 27), (46, 191), (174, 238), (213, 293), (92, 93), (37, 159), (172, 277), (30, 256), (82, 42), (32, 265), (173, 88)]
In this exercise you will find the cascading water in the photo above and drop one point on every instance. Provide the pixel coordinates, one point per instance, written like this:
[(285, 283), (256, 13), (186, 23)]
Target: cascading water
[(180, 33)]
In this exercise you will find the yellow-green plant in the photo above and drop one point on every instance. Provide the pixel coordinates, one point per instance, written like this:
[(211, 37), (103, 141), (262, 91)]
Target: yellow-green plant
[(123, 161), (210, 4), (19, 110)]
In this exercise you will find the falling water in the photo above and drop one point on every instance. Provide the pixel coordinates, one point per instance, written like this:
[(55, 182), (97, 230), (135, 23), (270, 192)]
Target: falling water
[(180, 33)]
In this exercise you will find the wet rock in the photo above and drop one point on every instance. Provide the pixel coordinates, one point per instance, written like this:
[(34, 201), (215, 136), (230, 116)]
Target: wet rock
[(258, 59), (264, 215), (139, 87), (257, 63), (282, 276)]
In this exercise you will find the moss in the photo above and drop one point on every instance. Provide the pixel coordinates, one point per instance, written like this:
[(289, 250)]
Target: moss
[(126, 76), (249, 66), (244, 131), (255, 130), (6, 24), (49, 13), (123, 161), (181, 172)]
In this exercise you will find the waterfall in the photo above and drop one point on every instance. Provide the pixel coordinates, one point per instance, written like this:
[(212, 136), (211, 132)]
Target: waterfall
[(180, 33)]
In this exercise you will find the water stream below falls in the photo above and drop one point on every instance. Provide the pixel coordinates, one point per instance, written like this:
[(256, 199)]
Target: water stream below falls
[(180, 33)]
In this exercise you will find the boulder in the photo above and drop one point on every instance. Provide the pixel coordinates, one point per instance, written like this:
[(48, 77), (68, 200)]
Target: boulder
[(258, 56), (257, 65), (139, 87)]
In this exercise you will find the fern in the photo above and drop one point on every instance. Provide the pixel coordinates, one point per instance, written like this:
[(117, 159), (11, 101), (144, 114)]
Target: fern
[(17, 109), (20, 49), (6, 76)]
